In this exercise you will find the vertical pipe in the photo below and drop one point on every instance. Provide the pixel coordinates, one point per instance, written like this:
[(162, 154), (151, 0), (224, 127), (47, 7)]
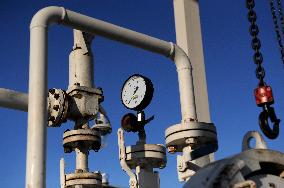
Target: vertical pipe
[(188, 35), (62, 173), (186, 87), (81, 66), (82, 159), (189, 38), (37, 116)]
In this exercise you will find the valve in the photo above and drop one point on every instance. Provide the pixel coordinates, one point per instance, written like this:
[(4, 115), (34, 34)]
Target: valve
[(133, 123), (264, 98)]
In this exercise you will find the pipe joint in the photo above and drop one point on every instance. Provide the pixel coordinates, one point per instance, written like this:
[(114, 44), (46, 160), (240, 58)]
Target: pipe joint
[(180, 58), (47, 16), (186, 87)]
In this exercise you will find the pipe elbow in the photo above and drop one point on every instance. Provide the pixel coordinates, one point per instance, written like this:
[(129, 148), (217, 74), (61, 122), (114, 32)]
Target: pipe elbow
[(47, 16), (180, 58)]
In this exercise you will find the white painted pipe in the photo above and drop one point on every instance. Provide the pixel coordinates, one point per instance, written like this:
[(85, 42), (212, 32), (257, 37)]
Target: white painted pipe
[(13, 100), (81, 64), (186, 87), (37, 117), (82, 159), (62, 173), (60, 15), (189, 38)]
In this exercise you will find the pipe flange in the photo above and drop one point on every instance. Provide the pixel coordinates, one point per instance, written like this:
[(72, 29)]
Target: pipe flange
[(87, 179), (194, 134), (88, 138), (143, 155), (57, 107)]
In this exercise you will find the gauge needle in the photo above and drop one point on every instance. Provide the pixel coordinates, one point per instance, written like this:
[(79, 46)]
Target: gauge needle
[(135, 90), (133, 97)]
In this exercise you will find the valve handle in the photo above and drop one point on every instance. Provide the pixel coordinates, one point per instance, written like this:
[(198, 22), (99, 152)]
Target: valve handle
[(269, 113)]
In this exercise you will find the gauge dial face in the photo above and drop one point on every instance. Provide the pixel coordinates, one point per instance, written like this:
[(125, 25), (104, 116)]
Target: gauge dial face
[(137, 92)]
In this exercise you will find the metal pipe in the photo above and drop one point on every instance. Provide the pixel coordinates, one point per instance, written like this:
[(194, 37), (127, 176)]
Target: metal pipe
[(189, 38), (62, 173), (13, 100), (60, 15), (37, 117), (82, 159), (186, 88), (81, 65)]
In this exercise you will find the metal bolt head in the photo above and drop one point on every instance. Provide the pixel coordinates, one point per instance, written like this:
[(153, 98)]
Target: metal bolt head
[(56, 96), (56, 107), (172, 149), (191, 141), (52, 91)]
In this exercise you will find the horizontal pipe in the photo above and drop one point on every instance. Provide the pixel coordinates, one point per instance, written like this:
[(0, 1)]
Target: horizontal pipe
[(60, 15), (13, 100), (37, 116)]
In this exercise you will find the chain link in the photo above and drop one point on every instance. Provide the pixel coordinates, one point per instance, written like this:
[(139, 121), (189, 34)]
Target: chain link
[(263, 93), (281, 16), (276, 25), (255, 42)]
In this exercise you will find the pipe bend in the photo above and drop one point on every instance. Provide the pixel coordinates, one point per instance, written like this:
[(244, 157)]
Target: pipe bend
[(180, 58), (47, 16), (186, 86)]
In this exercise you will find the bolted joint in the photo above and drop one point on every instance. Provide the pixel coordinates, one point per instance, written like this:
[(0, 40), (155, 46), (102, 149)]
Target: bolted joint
[(57, 107)]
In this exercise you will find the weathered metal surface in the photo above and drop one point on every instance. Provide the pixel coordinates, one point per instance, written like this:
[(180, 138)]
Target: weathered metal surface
[(178, 135), (245, 184), (195, 140), (75, 138), (259, 141), (57, 107), (84, 102), (262, 166), (146, 155), (87, 179)]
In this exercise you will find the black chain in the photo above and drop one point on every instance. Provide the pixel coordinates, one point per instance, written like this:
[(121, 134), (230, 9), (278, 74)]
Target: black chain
[(276, 25), (256, 44), (281, 16), (268, 112)]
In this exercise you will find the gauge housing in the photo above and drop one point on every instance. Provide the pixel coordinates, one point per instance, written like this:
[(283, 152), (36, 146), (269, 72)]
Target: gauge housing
[(137, 92)]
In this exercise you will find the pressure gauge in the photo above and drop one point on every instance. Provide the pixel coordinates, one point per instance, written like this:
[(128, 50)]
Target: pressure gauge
[(137, 92)]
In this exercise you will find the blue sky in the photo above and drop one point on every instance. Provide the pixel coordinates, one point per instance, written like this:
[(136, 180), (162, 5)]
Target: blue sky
[(229, 68)]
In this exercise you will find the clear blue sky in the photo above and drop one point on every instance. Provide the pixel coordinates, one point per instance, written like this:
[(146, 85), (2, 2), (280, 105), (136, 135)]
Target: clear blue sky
[(230, 78)]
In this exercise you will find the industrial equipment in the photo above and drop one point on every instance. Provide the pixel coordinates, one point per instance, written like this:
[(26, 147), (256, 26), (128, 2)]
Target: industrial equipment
[(136, 94), (194, 137)]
